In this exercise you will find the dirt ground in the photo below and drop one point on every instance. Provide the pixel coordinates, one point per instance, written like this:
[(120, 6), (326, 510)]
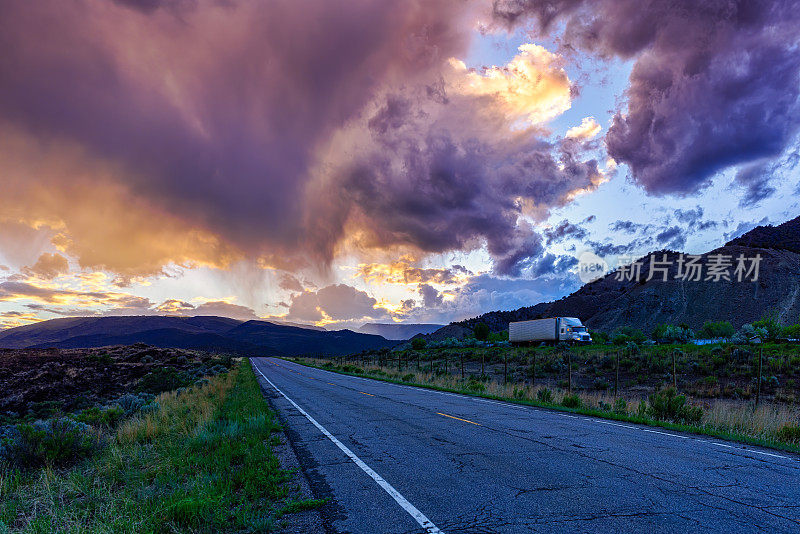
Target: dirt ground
[(37, 383)]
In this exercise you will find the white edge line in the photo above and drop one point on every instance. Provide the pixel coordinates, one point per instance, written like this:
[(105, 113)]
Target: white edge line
[(420, 518)]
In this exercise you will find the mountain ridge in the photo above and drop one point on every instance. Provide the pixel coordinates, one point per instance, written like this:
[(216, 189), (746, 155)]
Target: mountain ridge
[(197, 332), (608, 303)]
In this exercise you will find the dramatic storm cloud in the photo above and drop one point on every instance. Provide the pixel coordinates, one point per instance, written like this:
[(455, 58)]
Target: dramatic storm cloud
[(203, 132), (715, 83)]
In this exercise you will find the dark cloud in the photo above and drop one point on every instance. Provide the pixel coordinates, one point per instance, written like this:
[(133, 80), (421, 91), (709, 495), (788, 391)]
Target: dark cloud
[(564, 230), (690, 217), (673, 237), (431, 298), (629, 227), (290, 283), (550, 265), (338, 302), (755, 179), (48, 266), (714, 83), (224, 309)]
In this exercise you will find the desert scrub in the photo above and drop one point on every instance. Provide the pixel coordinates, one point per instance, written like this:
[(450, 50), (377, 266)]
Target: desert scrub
[(200, 462)]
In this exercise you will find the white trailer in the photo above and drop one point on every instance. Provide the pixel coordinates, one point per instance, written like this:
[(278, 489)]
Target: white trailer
[(552, 329)]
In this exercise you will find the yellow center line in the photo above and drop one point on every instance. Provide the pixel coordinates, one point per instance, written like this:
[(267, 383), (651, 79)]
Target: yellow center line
[(458, 418), (331, 384), (370, 394)]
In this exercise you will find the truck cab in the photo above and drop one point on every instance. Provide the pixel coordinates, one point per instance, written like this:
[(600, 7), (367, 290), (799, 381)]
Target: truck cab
[(572, 330)]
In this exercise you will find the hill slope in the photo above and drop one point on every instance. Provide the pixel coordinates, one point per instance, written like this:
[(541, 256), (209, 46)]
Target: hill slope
[(201, 332), (608, 303), (398, 331)]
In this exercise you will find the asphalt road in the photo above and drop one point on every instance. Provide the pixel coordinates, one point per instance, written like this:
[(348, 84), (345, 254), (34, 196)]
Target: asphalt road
[(396, 459)]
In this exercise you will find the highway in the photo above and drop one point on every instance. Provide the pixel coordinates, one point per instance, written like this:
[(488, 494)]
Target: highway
[(399, 459)]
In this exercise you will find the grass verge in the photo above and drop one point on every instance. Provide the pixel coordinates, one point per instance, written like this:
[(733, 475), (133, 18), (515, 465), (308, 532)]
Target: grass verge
[(201, 462), (715, 425)]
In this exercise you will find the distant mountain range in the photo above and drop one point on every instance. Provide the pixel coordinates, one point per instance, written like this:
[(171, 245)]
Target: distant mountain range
[(398, 331), (201, 332), (609, 303)]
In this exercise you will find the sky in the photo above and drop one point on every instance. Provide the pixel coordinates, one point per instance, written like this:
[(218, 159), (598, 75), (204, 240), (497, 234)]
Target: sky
[(336, 163)]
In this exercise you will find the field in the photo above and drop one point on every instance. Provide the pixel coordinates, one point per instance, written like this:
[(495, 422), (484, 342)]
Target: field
[(195, 459), (713, 388)]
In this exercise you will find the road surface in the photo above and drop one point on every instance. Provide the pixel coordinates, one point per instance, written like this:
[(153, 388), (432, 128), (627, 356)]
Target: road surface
[(399, 459)]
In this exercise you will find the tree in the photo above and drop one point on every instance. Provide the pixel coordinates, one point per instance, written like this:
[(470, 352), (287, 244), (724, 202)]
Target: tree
[(418, 343), (769, 322), (481, 331), (721, 329)]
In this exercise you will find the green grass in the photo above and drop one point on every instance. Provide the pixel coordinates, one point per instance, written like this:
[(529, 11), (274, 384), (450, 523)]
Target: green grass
[(786, 440), (202, 462)]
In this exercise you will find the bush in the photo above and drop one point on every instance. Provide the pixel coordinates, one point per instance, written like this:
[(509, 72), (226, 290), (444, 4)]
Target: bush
[(625, 334), (721, 329), (620, 407), (791, 332), (673, 334), (55, 442), (408, 377), (599, 337), (790, 433), (748, 333), (418, 343), (572, 401), (632, 347), (481, 331), (160, 380), (770, 324), (544, 395), (475, 386), (96, 416), (667, 405)]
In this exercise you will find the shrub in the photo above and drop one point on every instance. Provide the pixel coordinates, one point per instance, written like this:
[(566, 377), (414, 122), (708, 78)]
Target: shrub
[(620, 406), (791, 332), (96, 416), (475, 386), (55, 442), (749, 333), (632, 334), (601, 384), (632, 347), (481, 331), (408, 377), (572, 401), (674, 334), (418, 343), (599, 337), (770, 324), (667, 405), (147, 359), (160, 380), (721, 329), (789, 433), (544, 395)]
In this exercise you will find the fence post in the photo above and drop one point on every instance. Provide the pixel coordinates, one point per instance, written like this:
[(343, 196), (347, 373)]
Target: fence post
[(462, 365), (482, 356), (569, 369), (674, 375), (616, 378), (533, 382), (505, 367), (758, 386)]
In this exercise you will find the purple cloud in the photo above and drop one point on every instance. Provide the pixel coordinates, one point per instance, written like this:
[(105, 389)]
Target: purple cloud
[(714, 83)]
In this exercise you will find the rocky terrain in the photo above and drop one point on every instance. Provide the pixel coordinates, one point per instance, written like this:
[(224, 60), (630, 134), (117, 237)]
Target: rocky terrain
[(609, 303), (38, 383)]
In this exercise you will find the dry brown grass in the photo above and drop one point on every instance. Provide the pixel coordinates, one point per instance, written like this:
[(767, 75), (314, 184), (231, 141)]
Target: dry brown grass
[(722, 416)]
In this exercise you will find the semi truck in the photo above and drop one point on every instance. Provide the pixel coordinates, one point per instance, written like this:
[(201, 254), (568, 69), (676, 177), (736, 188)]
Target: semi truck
[(550, 330)]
